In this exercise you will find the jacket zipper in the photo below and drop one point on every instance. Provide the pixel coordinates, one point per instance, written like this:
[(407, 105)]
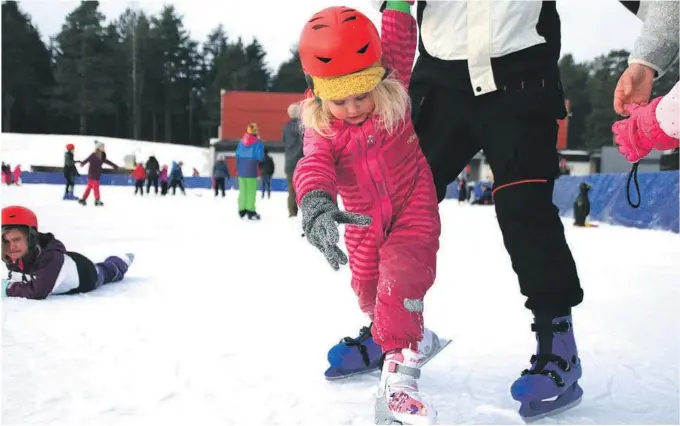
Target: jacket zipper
[(379, 186)]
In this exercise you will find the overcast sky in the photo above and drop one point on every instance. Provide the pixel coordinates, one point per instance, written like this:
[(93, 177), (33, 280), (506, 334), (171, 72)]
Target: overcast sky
[(589, 27)]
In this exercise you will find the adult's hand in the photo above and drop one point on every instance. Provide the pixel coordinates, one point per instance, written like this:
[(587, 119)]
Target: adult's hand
[(634, 87)]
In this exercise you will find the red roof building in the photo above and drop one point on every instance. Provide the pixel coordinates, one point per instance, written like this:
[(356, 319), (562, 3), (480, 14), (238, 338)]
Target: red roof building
[(267, 109)]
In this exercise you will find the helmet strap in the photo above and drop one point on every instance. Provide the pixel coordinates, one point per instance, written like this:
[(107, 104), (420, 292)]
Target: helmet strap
[(310, 84)]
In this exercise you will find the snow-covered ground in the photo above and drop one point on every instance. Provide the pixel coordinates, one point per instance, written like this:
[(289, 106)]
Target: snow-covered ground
[(221, 321), (48, 150)]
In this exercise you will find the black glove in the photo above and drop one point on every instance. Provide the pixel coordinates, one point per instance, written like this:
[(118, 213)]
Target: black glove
[(319, 218)]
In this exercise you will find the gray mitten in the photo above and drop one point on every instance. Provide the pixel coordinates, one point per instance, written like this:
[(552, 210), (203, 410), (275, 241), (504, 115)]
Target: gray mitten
[(319, 218)]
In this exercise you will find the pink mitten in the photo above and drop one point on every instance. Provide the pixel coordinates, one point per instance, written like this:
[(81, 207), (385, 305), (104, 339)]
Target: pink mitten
[(637, 135)]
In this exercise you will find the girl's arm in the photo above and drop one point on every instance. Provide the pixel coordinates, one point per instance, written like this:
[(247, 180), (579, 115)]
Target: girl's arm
[(85, 161), (399, 39), (107, 161), (667, 113), (49, 267), (316, 170)]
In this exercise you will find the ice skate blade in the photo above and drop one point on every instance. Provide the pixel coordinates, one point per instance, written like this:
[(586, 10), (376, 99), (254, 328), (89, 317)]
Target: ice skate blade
[(333, 374), (405, 420), (443, 343), (530, 420), (533, 411)]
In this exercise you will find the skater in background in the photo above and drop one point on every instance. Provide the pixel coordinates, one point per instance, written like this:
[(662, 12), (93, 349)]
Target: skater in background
[(582, 205), (177, 177), (486, 199), (650, 125), (6, 174), (462, 191), (152, 170), (292, 142), (94, 174), (220, 176), (70, 172), (39, 265), (359, 143), (267, 169), (475, 87), (139, 175), (17, 174), (249, 152), (163, 177)]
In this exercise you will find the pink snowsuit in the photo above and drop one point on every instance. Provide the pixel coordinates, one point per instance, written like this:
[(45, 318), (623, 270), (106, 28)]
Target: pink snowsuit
[(387, 177)]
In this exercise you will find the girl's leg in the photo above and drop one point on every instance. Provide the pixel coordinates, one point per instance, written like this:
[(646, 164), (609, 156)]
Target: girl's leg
[(251, 194), (242, 197), (88, 188), (359, 354), (95, 187), (113, 269)]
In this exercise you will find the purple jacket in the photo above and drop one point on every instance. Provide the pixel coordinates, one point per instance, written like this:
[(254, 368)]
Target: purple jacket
[(96, 162), (39, 269)]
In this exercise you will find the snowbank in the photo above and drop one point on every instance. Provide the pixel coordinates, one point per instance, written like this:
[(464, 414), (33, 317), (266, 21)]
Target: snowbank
[(48, 150)]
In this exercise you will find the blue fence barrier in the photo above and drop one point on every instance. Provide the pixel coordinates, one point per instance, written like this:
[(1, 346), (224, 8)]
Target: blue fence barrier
[(659, 192), (659, 208), (278, 184)]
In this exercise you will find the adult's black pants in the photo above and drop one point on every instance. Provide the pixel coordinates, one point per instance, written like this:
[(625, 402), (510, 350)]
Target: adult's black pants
[(516, 127), (152, 181), (219, 186)]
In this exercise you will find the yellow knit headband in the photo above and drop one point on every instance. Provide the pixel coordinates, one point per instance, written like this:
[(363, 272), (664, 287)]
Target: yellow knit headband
[(335, 88)]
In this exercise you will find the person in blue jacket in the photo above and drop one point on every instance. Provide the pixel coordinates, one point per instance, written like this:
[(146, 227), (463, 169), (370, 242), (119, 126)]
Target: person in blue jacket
[(249, 152), (220, 174), (177, 177)]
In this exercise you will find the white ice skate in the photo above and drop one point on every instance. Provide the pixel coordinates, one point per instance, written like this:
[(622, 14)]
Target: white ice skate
[(398, 400), (128, 258)]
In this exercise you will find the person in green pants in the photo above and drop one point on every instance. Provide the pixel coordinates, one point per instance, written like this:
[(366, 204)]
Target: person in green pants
[(249, 152)]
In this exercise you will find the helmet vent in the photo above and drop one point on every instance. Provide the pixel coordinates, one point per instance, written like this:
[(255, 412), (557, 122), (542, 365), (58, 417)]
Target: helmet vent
[(349, 18), (347, 10), (363, 49), (324, 60), (318, 27)]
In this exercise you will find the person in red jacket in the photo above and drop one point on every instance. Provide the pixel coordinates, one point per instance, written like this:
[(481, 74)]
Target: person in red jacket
[(359, 143), (39, 265), (139, 174), (94, 174)]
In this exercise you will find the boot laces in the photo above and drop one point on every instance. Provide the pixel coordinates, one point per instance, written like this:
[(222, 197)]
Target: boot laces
[(540, 360), (364, 334)]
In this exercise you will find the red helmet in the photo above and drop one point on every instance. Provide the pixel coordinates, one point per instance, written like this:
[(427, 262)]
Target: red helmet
[(338, 41), (70, 147), (19, 216)]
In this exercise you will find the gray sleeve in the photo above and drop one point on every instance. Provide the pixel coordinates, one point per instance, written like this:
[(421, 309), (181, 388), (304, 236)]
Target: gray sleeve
[(658, 44), (377, 4)]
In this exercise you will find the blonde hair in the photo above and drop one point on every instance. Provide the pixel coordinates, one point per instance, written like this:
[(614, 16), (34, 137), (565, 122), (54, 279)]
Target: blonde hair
[(294, 110), (391, 105)]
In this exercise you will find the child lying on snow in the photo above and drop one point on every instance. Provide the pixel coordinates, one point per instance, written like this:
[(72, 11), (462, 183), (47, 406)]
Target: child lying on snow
[(45, 265)]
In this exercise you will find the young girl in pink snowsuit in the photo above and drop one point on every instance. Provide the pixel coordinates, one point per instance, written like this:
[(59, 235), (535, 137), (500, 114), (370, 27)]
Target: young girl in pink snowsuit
[(359, 143)]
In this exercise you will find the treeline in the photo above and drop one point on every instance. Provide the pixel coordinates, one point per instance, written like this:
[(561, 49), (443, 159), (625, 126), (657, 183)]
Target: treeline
[(143, 77), (139, 76)]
